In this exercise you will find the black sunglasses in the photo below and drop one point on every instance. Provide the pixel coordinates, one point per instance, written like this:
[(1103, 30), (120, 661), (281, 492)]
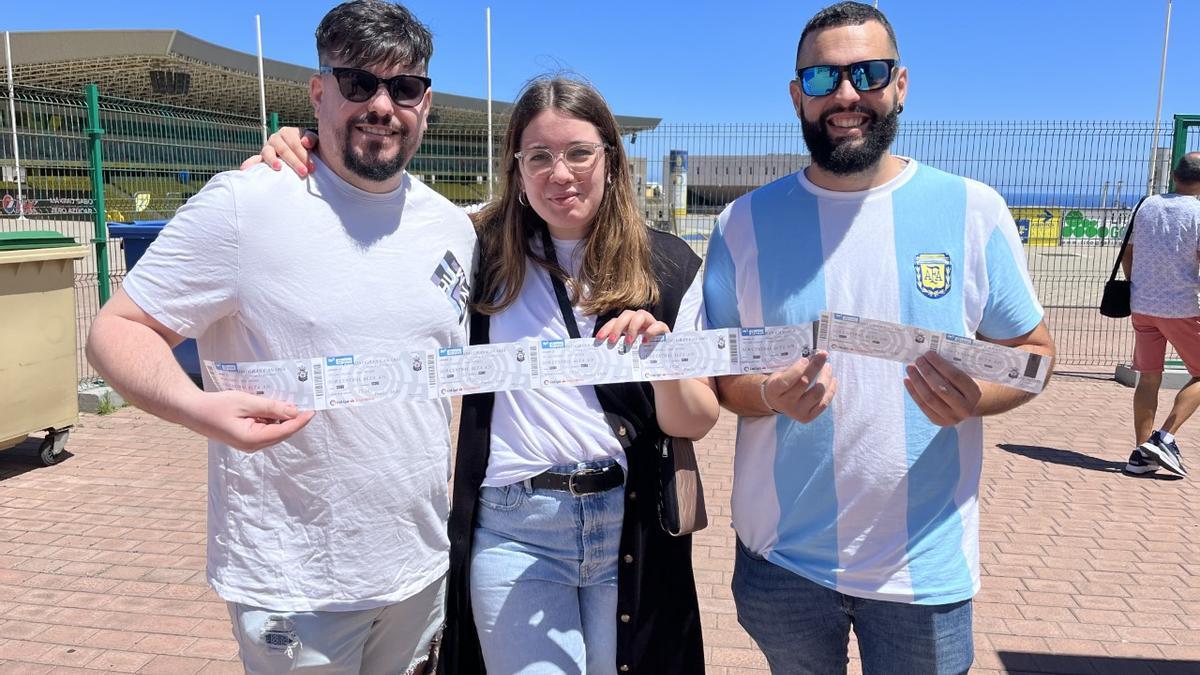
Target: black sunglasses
[(863, 75), (358, 85)]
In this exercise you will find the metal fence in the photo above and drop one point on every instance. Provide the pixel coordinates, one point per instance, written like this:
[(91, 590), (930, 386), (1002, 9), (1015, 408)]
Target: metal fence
[(1071, 185)]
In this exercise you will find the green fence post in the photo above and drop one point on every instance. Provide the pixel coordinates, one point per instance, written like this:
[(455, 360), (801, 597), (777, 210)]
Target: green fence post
[(273, 123), (100, 234)]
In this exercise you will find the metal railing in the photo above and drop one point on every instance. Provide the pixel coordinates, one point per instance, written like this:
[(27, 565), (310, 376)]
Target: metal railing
[(1070, 185)]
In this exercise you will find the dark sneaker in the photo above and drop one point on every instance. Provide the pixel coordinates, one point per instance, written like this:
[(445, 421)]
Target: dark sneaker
[(1139, 464), (1166, 454)]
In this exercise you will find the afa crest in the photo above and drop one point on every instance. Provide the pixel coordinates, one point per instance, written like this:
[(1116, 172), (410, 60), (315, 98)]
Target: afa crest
[(933, 274)]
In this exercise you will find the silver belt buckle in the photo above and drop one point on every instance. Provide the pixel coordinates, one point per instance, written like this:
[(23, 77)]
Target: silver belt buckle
[(581, 472)]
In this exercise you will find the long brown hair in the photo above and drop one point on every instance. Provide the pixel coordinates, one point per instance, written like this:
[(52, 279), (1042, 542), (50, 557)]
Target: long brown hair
[(616, 259)]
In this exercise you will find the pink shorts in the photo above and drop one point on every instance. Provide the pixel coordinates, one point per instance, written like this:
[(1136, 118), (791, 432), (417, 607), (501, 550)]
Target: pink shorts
[(1151, 335)]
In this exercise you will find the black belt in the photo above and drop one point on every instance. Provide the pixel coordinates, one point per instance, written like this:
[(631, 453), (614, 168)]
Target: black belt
[(581, 482)]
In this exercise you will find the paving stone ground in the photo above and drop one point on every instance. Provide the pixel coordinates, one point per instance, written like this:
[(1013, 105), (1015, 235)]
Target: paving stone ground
[(1085, 570)]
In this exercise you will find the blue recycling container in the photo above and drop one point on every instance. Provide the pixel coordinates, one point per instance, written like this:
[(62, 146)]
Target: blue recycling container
[(137, 237)]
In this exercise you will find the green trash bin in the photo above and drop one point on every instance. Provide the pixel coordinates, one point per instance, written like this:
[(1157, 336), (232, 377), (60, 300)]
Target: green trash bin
[(38, 343)]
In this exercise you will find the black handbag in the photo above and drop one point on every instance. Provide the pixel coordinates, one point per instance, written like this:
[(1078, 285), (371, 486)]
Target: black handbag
[(680, 494), (1114, 303)]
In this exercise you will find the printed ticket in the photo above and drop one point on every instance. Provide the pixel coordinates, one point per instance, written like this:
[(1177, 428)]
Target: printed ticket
[(767, 350), (572, 363), (481, 368), (897, 342), (352, 380), (678, 356)]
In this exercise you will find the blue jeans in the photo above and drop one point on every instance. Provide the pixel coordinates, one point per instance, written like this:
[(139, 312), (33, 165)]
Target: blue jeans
[(544, 578), (803, 628)]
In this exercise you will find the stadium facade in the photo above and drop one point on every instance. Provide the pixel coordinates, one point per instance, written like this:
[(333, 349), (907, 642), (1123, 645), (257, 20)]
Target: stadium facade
[(173, 68)]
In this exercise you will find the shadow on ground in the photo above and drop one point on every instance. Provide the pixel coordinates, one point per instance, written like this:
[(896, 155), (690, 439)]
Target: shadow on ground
[(1076, 459), (1062, 664), (23, 458)]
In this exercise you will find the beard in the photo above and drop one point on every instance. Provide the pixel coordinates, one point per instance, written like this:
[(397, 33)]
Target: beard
[(848, 156), (366, 160)]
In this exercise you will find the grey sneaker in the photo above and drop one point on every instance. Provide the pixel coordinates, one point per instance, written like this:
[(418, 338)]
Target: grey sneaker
[(1166, 454), (1140, 464)]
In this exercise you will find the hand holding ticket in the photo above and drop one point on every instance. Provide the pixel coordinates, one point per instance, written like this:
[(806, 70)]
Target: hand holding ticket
[(905, 344)]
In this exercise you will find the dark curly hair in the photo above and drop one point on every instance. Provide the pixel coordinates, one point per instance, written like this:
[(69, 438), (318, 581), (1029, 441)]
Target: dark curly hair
[(373, 33)]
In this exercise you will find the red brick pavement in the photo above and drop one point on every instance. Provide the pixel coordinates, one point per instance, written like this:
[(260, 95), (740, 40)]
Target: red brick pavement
[(1085, 570)]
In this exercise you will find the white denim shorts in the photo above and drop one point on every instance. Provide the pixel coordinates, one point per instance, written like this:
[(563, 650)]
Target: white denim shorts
[(398, 638)]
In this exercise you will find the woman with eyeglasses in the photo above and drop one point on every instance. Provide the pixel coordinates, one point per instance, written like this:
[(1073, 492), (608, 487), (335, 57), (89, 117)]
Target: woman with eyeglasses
[(558, 562)]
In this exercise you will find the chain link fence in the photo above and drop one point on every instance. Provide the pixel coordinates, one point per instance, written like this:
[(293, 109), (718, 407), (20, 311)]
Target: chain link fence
[(1071, 185)]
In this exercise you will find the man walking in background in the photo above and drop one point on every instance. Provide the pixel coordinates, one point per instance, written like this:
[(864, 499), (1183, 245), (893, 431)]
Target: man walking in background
[(1162, 263)]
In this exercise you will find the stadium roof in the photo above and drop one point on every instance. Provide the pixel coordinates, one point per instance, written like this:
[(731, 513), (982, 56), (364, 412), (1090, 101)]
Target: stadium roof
[(172, 67)]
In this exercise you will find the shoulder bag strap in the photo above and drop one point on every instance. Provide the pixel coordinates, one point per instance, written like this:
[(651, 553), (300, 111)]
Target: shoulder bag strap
[(1125, 242), (568, 315), (560, 289)]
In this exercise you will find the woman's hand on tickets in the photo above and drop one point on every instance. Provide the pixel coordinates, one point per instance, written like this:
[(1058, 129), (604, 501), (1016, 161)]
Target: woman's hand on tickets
[(804, 390), (244, 421), (288, 146), (942, 391), (632, 323)]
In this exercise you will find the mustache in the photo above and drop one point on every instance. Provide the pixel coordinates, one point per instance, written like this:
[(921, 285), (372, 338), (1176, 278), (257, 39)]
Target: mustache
[(872, 116), (373, 118)]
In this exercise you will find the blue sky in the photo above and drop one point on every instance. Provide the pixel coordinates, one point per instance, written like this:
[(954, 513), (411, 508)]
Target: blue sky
[(707, 61)]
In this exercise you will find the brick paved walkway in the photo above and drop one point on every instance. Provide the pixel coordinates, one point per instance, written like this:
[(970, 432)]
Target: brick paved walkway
[(1086, 571)]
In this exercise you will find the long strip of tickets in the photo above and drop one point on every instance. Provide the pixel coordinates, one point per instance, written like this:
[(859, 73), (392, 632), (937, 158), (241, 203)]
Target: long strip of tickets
[(349, 380)]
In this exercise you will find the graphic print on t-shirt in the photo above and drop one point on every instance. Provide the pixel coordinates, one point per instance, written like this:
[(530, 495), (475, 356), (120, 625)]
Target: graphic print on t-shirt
[(450, 277), (933, 274)]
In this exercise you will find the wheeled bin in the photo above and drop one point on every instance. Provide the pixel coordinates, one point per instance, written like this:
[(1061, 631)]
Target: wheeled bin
[(39, 383), (136, 238)]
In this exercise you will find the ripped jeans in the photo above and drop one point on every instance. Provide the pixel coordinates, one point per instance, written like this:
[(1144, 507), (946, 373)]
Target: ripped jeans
[(397, 638)]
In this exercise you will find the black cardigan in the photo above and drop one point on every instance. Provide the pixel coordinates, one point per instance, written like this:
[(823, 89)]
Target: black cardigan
[(656, 587)]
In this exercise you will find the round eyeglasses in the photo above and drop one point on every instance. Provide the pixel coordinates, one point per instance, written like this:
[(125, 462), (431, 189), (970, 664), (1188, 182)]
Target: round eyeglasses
[(578, 157)]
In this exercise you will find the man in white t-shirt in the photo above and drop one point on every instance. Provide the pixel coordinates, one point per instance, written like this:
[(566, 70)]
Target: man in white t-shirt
[(327, 533), (1161, 263)]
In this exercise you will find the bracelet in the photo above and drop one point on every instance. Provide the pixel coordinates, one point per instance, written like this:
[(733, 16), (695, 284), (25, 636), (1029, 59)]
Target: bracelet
[(762, 392)]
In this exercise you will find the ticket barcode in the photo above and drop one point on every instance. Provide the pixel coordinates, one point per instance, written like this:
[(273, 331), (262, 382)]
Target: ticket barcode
[(318, 380)]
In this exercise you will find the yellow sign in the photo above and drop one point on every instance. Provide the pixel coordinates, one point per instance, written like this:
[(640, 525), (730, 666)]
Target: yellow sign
[(1039, 226)]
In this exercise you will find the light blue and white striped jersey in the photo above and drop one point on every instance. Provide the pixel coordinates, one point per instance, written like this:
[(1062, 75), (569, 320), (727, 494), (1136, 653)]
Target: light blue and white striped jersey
[(871, 498)]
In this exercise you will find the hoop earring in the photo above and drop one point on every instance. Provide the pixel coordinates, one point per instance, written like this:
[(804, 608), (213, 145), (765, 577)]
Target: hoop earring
[(521, 198)]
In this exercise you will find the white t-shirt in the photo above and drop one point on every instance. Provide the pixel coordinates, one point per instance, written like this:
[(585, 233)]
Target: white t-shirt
[(540, 428), (350, 513), (1166, 248)]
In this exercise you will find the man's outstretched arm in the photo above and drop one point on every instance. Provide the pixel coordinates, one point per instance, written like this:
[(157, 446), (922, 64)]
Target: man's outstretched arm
[(132, 351)]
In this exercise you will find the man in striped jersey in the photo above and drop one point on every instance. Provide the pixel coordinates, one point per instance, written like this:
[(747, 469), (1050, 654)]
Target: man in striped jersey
[(855, 495)]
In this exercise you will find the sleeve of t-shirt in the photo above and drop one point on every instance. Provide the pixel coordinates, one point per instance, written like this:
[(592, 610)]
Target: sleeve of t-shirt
[(691, 307), (720, 289), (187, 279), (1012, 306)]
